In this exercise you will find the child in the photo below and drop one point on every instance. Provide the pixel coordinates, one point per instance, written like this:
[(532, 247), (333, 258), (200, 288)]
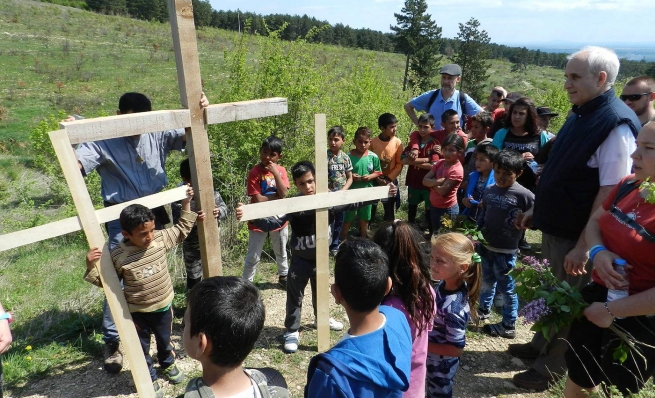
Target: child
[(450, 125), (428, 154), (191, 245), (444, 179), (366, 172), (267, 181), (480, 179), (373, 358), (411, 292), (389, 149), (303, 261), (140, 260), (222, 323), (502, 204), (456, 265), (480, 126), (340, 177)]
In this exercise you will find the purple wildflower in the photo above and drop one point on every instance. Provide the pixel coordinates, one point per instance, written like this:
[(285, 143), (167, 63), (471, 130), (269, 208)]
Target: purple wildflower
[(534, 311)]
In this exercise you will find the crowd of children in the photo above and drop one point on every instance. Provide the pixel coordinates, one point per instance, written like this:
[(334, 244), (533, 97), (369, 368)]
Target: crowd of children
[(408, 308)]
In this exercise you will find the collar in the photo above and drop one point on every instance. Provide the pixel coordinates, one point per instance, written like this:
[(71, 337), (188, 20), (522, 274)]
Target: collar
[(449, 99), (592, 105), (364, 154)]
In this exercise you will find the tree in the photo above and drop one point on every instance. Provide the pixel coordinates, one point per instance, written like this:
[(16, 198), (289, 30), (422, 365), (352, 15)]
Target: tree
[(520, 60), (419, 38), (472, 55)]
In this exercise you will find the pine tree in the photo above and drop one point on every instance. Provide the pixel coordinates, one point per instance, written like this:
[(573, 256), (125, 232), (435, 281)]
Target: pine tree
[(472, 55), (419, 38)]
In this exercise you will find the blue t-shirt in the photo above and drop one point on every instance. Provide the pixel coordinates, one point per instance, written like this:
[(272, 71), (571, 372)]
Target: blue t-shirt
[(452, 316), (440, 105)]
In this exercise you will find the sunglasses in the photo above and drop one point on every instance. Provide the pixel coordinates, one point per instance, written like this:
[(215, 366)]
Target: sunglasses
[(632, 97)]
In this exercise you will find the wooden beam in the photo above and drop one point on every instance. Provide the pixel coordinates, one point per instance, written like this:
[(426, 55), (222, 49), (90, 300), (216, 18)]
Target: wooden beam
[(108, 276), (322, 237), (103, 128), (72, 224), (188, 77), (318, 201), (244, 110)]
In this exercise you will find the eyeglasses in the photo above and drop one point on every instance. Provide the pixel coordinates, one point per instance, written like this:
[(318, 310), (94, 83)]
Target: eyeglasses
[(632, 97)]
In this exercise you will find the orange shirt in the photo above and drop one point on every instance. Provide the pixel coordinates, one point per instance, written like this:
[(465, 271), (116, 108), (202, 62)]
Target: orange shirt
[(389, 153)]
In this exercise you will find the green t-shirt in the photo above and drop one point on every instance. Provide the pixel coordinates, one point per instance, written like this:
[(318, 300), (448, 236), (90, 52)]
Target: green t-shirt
[(367, 164)]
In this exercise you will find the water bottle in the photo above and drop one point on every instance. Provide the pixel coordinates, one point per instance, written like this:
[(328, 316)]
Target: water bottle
[(620, 291), (533, 165)]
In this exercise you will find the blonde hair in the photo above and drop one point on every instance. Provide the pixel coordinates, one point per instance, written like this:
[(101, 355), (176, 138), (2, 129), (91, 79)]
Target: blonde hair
[(461, 249)]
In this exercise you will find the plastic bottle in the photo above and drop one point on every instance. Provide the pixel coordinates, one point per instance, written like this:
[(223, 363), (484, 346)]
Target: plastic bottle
[(619, 292)]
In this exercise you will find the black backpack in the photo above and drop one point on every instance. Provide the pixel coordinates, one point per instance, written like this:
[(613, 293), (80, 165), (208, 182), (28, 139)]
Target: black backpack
[(462, 104)]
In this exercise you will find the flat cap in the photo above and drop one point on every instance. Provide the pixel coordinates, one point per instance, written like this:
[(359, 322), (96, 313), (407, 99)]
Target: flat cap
[(451, 69)]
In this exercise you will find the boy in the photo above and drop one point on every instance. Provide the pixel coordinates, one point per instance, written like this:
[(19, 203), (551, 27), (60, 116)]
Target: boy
[(419, 167), (389, 149), (480, 179), (267, 181), (222, 323), (373, 358), (303, 261), (140, 261), (191, 245), (480, 127), (450, 125), (340, 177), (366, 170), (502, 204)]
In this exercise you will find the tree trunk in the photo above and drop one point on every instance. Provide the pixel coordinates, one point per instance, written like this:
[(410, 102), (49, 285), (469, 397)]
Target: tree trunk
[(406, 71)]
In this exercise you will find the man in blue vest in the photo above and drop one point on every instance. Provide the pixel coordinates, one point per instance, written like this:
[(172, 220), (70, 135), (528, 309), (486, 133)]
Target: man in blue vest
[(447, 97), (590, 155)]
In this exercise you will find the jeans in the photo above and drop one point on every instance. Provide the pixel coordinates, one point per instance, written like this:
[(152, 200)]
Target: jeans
[(336, 230), (159, 324), (495, 276), (256, 245), (437, 212)]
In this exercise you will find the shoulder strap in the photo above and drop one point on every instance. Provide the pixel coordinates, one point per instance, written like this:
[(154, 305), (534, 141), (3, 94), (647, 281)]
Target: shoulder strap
[(625, 188), (462, 105), (433, 98)]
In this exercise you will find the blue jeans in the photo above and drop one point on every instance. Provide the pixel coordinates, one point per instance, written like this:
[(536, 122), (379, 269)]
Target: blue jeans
[(495, 276), (336, 226), (437, 212)]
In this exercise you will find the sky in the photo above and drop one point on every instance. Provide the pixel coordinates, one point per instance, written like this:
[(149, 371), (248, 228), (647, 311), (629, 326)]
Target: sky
[(553, 22)]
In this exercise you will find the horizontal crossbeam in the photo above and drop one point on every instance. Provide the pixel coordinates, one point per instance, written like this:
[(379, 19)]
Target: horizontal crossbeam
[(73, 224), (244, 110), (318, 201), (104, 128)]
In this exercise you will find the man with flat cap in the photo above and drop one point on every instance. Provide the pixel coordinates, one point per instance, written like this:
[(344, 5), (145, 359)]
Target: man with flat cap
[(447, 97)]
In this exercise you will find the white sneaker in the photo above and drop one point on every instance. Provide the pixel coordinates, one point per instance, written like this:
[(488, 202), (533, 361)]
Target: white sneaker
[(291, 342), (334, 325)]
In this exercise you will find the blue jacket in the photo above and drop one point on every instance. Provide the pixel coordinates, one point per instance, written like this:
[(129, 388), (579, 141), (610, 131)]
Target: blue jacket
[(470, 188), (375, 365)]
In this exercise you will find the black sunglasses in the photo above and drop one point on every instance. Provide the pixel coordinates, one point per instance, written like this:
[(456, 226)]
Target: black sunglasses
[(632, 97)]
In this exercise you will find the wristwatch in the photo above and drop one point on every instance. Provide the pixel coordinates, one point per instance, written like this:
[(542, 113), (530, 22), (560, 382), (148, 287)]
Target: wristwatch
[(7, 316)]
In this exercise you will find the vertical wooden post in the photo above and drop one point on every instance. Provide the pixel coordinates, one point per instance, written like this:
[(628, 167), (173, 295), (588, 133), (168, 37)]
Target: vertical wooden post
[(110, 283), (188, 76), (322, 237)]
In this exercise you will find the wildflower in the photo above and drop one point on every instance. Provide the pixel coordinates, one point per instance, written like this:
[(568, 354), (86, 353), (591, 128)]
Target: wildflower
[(534, 311), (29, 358), (28, 348)]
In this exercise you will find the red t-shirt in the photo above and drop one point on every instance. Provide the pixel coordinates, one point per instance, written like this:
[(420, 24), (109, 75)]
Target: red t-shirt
[(498, 113), (440, 136), (415, 175), (626, 242), (455, 173), (262, 182)]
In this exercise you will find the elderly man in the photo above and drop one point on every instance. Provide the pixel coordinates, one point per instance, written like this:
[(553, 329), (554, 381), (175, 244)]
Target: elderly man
[(639, 95), (447, 97), (590, 155)]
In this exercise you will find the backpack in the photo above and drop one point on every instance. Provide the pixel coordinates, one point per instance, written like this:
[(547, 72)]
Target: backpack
[(625, 188), (462, 103)]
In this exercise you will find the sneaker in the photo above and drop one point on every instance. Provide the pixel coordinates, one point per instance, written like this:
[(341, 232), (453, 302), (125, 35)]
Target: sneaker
[(291, 342), (483, 315), (159, 393), (524, 245), (499, 301), (282, 281), (113, 357), (524, 351), (173, 374), (334, 325), (499, 330), (532, 380), (334, 252)]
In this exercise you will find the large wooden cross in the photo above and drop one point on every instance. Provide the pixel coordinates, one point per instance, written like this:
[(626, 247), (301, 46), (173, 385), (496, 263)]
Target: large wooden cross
[(194, 121)]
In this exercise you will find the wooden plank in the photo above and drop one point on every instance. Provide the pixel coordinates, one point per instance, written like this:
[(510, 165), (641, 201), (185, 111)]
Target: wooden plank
[(244, 110), (103, 128), (73, 224), (188, 77), (108, 276), (319, 201), (322, 238)]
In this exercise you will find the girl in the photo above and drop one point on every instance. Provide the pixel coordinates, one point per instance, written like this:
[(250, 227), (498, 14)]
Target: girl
[(444, 179), (455, 263), (411, 292)]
